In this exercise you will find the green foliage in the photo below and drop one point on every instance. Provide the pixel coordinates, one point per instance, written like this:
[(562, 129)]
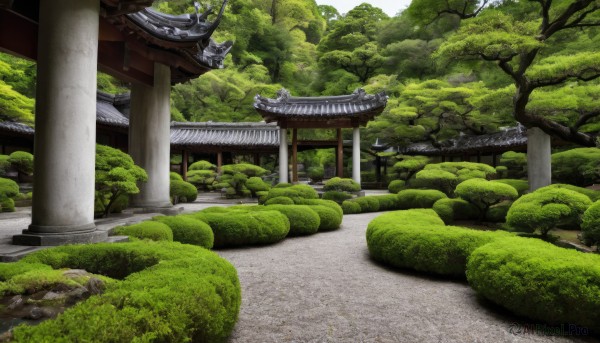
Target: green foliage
[(188, 230), (173, 176), (539, 281), (202, 179), (256, 184), (522, 186), (484, 194), (280, 200), (22, 161), (247, 169), (419, 240), (8, 188), (341, 185), (590, 224), (303, 219), (329, 219), (351, 207), (155, 231), (316, 174), (547, 208), (367, 204), (418, 198), (590, 193), (242, 228), (396, 186), (515, 163), (465, 170), (159, 300), (7, 205), (579, 167), (182, 191), (337, 196), (409, 166), (321, 202), (4, 165), (497, 213), (450, 210), (202, 165), (437, 179), (293, 191), (116, 176)]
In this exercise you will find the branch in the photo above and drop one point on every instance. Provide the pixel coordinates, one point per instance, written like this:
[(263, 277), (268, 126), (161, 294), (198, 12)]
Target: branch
[(558, 80), (584, 118), (561, 21), (555, 129)]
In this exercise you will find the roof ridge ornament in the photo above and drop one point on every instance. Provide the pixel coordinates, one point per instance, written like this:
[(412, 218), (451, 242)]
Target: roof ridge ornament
[(283, 95)]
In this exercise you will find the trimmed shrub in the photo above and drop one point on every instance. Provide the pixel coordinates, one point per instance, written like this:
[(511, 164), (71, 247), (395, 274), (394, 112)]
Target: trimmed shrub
[(396, 186), (437, 179), (303, 219), (522, 186), (188, 230), (173, 176), (350, 207), (256, 184), (341, 185), (590, 193), (305, 191), (154, 231), (7, 205), (182, 191), (316, 174), (502, 171), (498, 212), (243, 228), (419, 240), (279, 201), (387, 202), (22, 161), (295, 191), (330, 219), (409, 166), (590, 225), (202, 165), (8, 188), (577, 166), (172, 293), (283, 185), (483, 194), (418, 198), (367, 204), (515, 164), (202, 179), (538, 280), (547, 208), (336, 196), (4, 165), (327, 203), (262, 197), (450, 210), (247, 169), (465, 170)]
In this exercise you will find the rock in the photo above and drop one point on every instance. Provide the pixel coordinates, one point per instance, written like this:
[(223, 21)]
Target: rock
[(54, 296), (76, 295), (75, 273), (95, 286), (35, 313), (6, 336), (15, 302)]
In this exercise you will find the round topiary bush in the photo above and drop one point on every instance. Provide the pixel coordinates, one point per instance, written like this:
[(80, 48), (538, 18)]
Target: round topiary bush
[(522, 186), (351, 207), (396, 186), (279, 201), (295, 191), (202, 179), (7, 205), (419, 240), (243, 228), (327, 203), (465, 170), (483, 194), (576, 166), (590, 225), (303, 219), (172, 293), (336, 196), (387, 202), (305, 191), (256, 184), (174, 176), (514, 163), (341, 185), (330, 219), (497, 213), (22, 161), (538, 280), (547, 208), (182, 191), (188, 230), (437, 179), (8, 188), (418, 198), (367, 204), (202, 165), (450, 210), (151, 230)]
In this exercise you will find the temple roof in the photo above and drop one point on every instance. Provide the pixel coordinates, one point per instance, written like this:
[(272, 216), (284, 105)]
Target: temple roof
[(509, 138), (358, 107), (208, 135), (106, 112), (14, 127)]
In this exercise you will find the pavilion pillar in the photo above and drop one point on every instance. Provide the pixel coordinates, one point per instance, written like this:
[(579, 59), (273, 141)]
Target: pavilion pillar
[(185, 158), (256, 159), (356, 155), (340, 154), (219, 162), (65, 137), (294, 155), (149, 138), (283, 156), (539, 160)]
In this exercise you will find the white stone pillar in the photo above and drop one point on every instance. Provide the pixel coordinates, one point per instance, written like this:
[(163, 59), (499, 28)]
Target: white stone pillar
[(65, 125), (283, 156), (539, 160), (356, 154), (150, 137)]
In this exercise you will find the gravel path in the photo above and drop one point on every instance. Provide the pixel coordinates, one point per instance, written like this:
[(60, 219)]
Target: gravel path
[(324, 288)]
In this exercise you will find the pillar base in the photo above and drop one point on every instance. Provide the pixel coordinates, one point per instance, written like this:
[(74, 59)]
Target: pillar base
[(32, 238), (151, 204)]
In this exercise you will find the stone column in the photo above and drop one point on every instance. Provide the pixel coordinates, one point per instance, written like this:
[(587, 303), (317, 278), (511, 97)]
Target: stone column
[(65, 135), (539, 161), (356, 154), (150, 136), (283, 156)]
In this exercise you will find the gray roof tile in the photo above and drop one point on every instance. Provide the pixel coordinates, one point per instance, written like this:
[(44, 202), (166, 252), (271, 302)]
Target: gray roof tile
[(246, 135)]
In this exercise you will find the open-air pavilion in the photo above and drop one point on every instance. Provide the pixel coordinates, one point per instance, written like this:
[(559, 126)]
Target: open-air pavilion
[(71, 40)]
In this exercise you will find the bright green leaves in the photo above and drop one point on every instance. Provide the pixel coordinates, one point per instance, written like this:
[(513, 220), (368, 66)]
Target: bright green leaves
[(556, 69)]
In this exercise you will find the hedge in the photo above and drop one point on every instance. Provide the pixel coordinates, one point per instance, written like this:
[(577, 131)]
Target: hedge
[(256, 184), (590, 226), (483, 194), (7, 205), (418, 198), (367, 204), (419, 240), (450, 210), (279, 201), (337, 196), (341, 185), (183, 191), (188, 230), (465, 170), (173, 176), (171, 293), (387, 202), (202, 179), (396, 186), (8, 188), (303, 219), (330, 219), (351, 207), (146, 230), (538, 280), (590, 193), (576, 166), (295, 191), (242, 228), (498, 212), (327, 203), (515, 163)]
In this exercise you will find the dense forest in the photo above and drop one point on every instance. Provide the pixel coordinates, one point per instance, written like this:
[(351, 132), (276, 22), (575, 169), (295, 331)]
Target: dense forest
[(449, 67)]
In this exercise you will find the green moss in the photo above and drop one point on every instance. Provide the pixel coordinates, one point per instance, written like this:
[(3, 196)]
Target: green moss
[(303, 219), (188, 230), (419, 198), (590, 225), (387, 202), (146, 230), (183, 191), (327, 203), (341, 185), (256, 184), (396, 186), (537, 280)]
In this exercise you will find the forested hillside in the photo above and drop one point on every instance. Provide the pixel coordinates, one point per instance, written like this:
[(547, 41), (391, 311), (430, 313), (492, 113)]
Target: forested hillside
[(449, 67)]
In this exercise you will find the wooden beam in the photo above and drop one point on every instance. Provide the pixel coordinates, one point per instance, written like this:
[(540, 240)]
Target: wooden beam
[(294, 155), (219, 161), (25, 45), (340, 154), (184, 164)]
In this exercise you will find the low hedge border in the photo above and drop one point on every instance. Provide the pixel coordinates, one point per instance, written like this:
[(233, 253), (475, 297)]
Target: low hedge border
[(155, 231), (188, 230), (170, 293)]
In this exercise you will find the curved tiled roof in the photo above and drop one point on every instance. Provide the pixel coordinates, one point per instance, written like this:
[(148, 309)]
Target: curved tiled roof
[(9, 126), (506, 139), (107, 114), (355, 105), (227, 135)]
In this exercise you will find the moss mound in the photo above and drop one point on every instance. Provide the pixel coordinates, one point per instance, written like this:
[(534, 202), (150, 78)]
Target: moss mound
[(188, 230), (154, 231)]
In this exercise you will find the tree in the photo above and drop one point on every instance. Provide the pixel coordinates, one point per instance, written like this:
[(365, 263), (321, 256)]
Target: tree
[(484, 194), (116, 176)]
